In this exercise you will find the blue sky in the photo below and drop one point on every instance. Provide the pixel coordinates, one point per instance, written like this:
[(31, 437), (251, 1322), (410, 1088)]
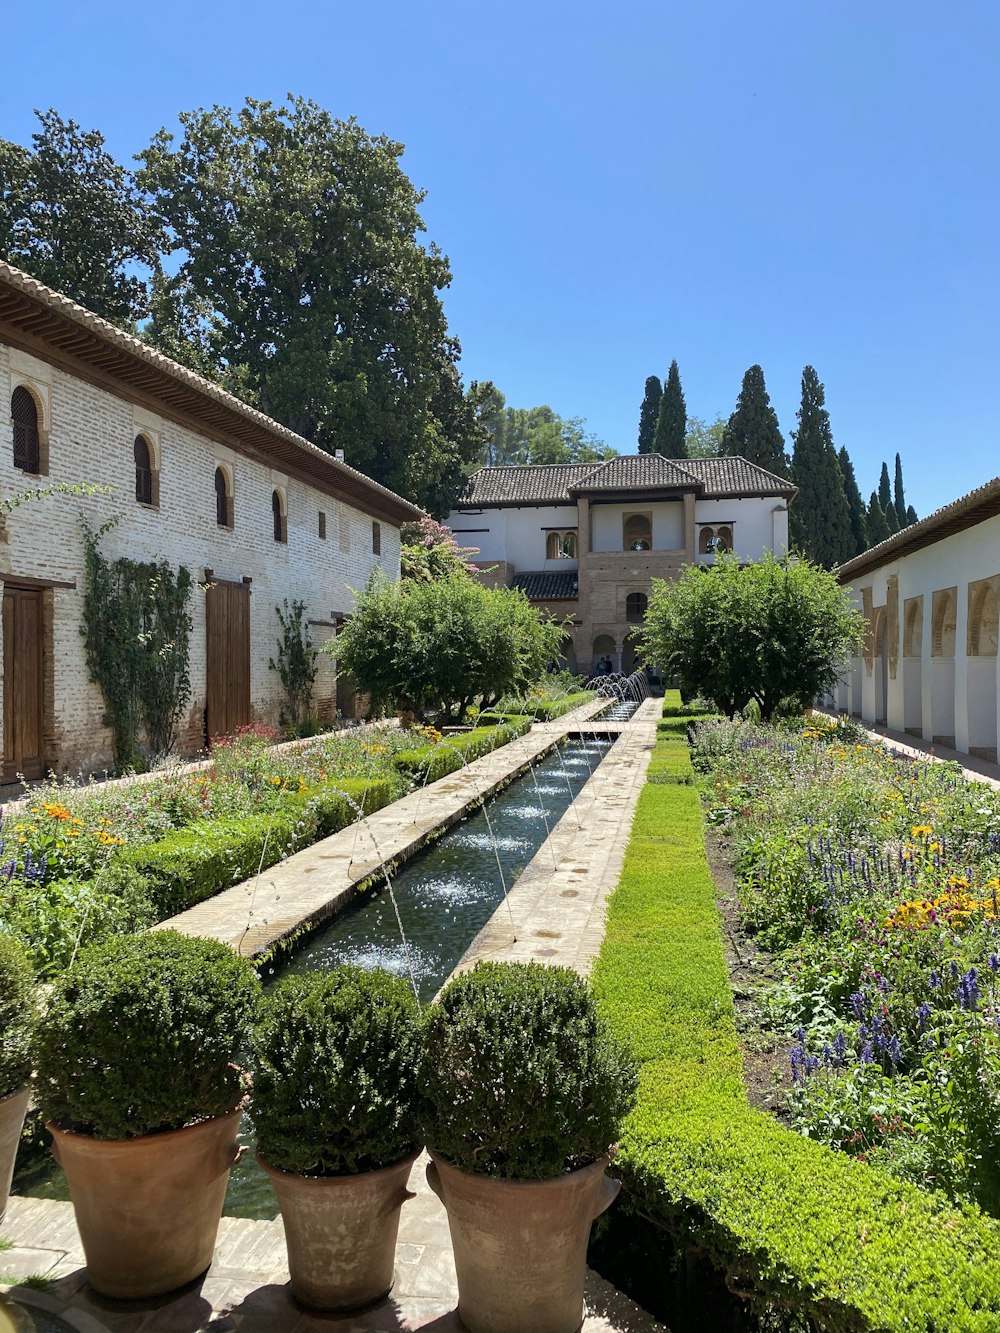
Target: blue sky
[(785, 182)]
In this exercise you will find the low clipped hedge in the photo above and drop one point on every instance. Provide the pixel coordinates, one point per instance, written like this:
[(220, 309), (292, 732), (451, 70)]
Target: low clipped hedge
[(548, 710), (427, 763), (196, 862), (18, 1012), (799, 1228)]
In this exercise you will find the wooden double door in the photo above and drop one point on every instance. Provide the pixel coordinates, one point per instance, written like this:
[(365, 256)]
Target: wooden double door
[(227, 665), (23, 684)]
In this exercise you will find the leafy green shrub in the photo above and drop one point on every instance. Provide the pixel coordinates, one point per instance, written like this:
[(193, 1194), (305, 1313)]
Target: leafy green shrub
[(427, 763), (522, 1079), (17, 1016), (142, 1034), (335, 805), (335, 1062)]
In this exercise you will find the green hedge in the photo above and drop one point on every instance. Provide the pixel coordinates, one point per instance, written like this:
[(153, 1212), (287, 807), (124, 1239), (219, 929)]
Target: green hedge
[(812, 1232), (671, 757), (196, 862), (427, 763)]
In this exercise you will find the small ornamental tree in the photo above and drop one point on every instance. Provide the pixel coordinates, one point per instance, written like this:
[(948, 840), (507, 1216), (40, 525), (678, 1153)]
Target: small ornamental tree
[(296, 664), (428, 550), (774, 631)]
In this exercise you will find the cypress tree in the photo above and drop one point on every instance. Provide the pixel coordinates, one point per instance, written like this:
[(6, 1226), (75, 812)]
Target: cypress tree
[(878, 528), (885, 492), (911, 516), (855, 504), (648, 413), (820, 518), (671, 423), (752, 432), (898, 499)]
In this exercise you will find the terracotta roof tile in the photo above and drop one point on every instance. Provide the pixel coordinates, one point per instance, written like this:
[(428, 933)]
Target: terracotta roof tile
[(736, 476), (637, 472), (562, 585), (512, 483)]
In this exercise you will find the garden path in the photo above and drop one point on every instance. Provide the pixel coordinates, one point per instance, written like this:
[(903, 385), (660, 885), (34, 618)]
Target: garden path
[(558, 910)]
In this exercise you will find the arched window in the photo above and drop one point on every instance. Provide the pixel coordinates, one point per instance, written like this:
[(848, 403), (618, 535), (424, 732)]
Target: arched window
[(24, 415), (723, 540), (637, 532), (569, 545), (278, 515), (143, 470), (706, 541), (223, 500), (913, 628), (552, 546), (943, 623), (635, 607)]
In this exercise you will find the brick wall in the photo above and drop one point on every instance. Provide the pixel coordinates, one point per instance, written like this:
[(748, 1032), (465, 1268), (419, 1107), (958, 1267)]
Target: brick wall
[(90, 434)]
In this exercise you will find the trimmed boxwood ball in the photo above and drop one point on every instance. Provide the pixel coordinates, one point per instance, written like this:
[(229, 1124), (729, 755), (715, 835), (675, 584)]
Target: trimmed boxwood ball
[(336, 1058), (17, 1016), (521, 1077), (143, 1034)]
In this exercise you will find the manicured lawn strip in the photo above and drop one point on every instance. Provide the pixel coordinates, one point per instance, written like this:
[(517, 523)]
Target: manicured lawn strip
[(427, 763), (808, 1228), (671, 757)]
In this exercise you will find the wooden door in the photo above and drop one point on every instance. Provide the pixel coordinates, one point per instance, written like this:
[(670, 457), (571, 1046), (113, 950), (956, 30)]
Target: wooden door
[(227, 667), (23, 693)]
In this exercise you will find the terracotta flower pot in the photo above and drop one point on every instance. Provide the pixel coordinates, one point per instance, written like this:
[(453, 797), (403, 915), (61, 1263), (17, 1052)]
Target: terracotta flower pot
[(12, 1112), (148, 1208), (341, 1233), (521, 1245)]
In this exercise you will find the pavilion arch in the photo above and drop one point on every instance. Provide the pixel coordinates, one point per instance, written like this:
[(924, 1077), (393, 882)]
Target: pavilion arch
[(880, 649), (913, 666), (944, 609), (605, 646), (981, 667)]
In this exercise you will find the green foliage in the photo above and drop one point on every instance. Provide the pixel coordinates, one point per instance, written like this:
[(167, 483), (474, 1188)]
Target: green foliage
[(18, 1015), (752, 432), (439, 646), (820, 518), (648, 413), (855, 504), (427, 763), (809, 1234), (671, 420), (71, 216), (335, 1064), (703, 439), (911, 515), (296, 664), (136, 630), (770, 631), (143, 1034), (539, 435), (11, 502), (429, 551), (521, 1078), (884, 490), (875, 522), (898, 495)]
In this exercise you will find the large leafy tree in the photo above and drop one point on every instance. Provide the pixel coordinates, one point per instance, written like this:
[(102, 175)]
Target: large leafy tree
[(820, 518), (671, 422), (648, 413), (434, 646), (704, 439), (855, 504), (777, 631), (539, 435), (71, 216), (752, 432), (304, 286)]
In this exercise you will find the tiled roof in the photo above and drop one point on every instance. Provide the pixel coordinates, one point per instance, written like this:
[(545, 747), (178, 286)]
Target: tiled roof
[(637, 472), (736, 476), (560, 483), (545, 587), (513, 483)]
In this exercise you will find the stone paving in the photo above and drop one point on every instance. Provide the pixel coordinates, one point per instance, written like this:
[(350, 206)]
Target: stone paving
[(557, 906)]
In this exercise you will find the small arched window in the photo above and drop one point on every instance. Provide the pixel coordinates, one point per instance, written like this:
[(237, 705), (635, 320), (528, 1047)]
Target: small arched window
[(24, 415), (552, 546), (706, 541), (278, 515), (635, 607), (223, 500), (569, 545), (143, 471), (724, 540)]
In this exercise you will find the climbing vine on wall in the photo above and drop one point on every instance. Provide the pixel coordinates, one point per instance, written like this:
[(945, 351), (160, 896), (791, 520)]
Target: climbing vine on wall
[(137, 632), (296, 664)]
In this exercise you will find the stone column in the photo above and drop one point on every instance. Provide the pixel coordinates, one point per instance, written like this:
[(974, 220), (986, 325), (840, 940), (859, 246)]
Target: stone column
[(689, 528)]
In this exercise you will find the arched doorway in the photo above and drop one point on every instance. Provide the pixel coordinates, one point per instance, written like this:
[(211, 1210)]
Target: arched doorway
[(981, 676), (567, 654), (913, 641), (631, 655), (944, 606), (880, 666), (605, 650)]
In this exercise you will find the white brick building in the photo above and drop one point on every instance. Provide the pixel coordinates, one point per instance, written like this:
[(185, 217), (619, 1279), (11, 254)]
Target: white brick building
[(254, 511)]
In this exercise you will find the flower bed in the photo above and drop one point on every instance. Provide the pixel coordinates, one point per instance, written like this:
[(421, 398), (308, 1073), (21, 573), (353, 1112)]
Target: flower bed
[(875, 879), (801, 1231)]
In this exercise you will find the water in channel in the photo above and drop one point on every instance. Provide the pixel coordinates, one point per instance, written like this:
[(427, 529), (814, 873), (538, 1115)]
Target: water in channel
[(445, 894)]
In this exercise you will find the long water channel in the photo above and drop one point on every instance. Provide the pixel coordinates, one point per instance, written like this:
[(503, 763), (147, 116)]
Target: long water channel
[(445, 896)]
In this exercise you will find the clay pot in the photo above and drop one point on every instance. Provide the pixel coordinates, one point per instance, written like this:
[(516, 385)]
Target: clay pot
[(521, 1245), (341, 1233), (148, 1208), (12, 1112)]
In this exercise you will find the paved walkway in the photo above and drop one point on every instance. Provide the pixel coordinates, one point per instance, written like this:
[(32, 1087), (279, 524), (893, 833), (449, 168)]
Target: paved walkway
[(558, 913)]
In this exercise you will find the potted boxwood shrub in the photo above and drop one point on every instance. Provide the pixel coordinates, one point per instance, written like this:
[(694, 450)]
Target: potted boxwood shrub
[(17, 1018), (137, 1075), (336, 1059), (525, 1092)]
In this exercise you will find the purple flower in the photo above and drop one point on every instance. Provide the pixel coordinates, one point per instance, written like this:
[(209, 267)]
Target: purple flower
[(858, 1006), (923, 1016), (893, 1051), (934, 980), (867, 1055), (967, 990), (994, 963)]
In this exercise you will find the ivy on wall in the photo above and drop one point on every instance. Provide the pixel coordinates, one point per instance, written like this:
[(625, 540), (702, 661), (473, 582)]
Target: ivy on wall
[(296, 664), (137, 632)]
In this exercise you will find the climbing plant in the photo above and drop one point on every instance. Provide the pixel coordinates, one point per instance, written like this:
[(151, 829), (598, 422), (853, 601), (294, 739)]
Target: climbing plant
[(296, 664), (137, 630)]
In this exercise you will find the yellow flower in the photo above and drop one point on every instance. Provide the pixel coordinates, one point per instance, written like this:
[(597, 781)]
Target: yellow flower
[(55, 811), (921, 831)]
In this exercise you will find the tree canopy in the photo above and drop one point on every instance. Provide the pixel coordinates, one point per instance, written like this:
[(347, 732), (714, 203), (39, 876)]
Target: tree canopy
[(704, 439), (671, 421), (538, 435), (876, 525), (776, 631), (820, 519), (428, 550), (855, 504), (752, 432), (648, 413)]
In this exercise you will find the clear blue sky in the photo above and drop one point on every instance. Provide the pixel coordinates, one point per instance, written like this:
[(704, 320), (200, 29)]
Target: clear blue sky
[(617, 184)]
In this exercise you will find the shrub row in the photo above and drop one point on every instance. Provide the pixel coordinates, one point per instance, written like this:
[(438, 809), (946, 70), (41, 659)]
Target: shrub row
[(806, 1230), (195, 862), (427, 763)]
